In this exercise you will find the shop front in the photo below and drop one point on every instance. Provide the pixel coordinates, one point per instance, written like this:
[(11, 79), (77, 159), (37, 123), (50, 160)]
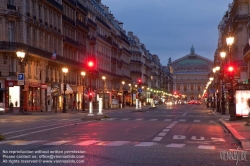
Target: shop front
[(32, 96)]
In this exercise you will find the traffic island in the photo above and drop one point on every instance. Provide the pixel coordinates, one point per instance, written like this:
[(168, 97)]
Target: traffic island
[(95, 117), (2, 137)]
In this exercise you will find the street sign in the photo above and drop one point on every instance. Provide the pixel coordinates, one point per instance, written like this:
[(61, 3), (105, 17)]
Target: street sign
[(20, 78), (139, 90)]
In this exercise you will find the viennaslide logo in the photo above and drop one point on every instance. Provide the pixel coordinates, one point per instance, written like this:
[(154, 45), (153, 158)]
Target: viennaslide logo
[(233, 155)]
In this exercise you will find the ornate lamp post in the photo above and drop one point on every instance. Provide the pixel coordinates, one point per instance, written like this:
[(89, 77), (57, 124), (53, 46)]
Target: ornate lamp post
[(232, 111), (211, 79), (83, 73), (123, 106), (130, 92), (103, 95), (65, 71), (223, 109), (21, 55)]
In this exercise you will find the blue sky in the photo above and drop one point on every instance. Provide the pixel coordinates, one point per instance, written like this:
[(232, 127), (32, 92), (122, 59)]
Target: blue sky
[(169, 28)]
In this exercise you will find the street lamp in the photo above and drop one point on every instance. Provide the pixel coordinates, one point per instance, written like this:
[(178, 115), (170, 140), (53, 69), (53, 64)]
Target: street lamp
[(21, 55), (103, 95), (83, 73), (130, 92), (232, 111), (223, 109), (123, 106), (65, 71)]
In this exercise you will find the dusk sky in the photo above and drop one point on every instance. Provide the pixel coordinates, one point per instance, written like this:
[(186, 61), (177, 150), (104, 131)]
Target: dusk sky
[(169, 28)]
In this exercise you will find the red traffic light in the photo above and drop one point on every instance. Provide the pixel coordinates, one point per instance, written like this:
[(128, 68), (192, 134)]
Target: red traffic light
[(90, 96), (230, 69), (91, 62)]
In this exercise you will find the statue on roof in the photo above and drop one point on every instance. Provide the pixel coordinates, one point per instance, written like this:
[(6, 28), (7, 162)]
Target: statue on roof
[(169, 60), (192, 49)]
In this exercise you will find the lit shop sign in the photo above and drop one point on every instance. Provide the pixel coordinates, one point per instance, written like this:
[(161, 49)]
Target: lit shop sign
[(242, 108)]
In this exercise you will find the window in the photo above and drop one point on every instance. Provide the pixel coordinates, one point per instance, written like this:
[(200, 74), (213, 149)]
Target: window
[(10, 2), (28, 35), (192, 87), (11, 30), (185, 88), (45, 15), (39, 11), (33, 8), (27, 6), (199, 88), (34, 37), (13, 64)]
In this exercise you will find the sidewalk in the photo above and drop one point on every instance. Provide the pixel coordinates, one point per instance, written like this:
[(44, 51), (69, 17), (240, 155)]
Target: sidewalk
[(239, 129)]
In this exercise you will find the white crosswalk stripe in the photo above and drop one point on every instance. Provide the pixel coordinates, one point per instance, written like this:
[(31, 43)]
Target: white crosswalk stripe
[(125, 118), (139, 119), (153, 120), (104, 143)]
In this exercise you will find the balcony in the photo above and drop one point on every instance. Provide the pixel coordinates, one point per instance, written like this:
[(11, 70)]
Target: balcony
[(82, 25), (136, 61), (55, 4), (70, 41), (68, 20), (92, 24), (91, 39), (240, 18), (82, 7), (11, 7), (13, 74)]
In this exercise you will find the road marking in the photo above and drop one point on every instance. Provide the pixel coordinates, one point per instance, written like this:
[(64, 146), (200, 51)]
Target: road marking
[(57, 143), (117, 143), (26, 142), (126, 119), (206, 147), (146, 144), (197, 120), (169, 127), (194, 138), (47, 129), (165, 130), (179, 137), (157, 138), (139, 119), (152, 119), (176, 145), (111, 118), (167, 119), (184, 114), (182, 120), (218, 139), (85, 143), (162, 134), (211, 121)]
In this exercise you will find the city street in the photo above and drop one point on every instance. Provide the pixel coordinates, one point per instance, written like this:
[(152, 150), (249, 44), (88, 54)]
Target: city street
[(166, 135)]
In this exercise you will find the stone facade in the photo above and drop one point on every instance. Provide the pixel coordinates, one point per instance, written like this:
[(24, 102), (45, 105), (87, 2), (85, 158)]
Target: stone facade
[(190, 75)]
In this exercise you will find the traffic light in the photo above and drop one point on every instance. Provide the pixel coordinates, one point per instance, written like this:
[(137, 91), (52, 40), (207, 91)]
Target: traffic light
[(230, 69), (90, 96), (91, 63), (175, 93), (139, 82)]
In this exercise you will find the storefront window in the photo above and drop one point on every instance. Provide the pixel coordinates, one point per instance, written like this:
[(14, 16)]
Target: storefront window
[(34, 96)]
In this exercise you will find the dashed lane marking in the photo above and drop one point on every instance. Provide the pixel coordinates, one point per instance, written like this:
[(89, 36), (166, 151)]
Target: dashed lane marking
[(173, 145)]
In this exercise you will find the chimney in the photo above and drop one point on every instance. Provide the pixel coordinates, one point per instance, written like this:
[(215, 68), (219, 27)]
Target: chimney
[(121, 25)]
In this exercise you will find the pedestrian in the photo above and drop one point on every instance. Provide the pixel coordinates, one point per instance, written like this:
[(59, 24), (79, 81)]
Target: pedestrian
[(74, 105), (11, 107), (78, 105)]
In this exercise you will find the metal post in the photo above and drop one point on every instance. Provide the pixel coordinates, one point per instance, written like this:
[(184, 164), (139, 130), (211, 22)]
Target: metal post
[(123, 105), (83, 97), (90, 102), (232, 111), (21, 91), (223, 109), (64, 96), (103, 96)]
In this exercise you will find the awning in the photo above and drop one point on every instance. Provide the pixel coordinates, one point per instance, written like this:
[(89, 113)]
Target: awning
[(68, 91)]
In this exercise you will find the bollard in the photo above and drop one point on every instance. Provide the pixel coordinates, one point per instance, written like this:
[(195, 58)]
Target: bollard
[(100, 107), (136, 104), (90, 109)]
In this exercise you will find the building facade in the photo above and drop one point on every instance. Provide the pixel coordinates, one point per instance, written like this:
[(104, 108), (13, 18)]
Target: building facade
[(190, 75), (66, 33)]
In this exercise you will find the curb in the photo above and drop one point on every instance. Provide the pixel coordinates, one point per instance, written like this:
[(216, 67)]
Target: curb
[(245, 143)]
